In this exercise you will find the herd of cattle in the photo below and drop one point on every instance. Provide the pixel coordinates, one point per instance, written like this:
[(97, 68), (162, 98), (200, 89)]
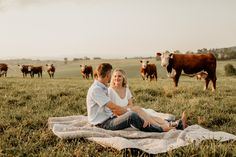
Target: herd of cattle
[(199, 65), (29, 69)]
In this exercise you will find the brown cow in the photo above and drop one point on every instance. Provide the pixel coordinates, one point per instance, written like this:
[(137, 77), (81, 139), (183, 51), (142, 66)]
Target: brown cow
[(3, 69), (24, 69), (86, 70), (51, 70), (35, 70), (148, 70), (190, 64)]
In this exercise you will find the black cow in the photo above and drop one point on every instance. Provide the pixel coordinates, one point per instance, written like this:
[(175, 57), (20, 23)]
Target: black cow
[(24, 69)]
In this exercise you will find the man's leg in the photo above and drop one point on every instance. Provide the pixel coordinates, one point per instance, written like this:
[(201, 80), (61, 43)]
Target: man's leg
[(128, 119)]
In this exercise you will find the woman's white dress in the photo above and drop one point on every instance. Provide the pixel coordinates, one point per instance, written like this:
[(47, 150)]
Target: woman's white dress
[(115, 98)]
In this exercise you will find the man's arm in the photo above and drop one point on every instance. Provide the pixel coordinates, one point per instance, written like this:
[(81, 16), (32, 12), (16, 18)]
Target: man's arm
[(117, 110)]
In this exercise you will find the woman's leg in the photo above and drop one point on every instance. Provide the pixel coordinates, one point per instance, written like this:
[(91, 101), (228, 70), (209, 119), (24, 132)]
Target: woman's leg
[(157, 121)]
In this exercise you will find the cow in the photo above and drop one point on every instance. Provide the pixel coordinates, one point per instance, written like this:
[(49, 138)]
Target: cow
[(201, 75), (3, 69), (24, 69), (35, 70), (190, 64), (86, 70), (148, 70), (51, 70)]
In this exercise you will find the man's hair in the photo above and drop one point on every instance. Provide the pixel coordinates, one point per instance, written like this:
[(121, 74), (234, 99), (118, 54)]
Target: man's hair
[(103, 68)]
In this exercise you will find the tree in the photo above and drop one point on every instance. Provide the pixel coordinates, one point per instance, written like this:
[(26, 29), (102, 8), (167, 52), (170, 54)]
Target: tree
[(65, 60)]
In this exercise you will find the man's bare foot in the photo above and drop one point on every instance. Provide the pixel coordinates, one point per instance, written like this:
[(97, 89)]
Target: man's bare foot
[(184, 120)]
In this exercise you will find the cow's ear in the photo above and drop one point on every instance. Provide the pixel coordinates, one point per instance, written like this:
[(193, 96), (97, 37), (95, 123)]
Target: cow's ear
[(171, 55), (141, 61), (158, 54)]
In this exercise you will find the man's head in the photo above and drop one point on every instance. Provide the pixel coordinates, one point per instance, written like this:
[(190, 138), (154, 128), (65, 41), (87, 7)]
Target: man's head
[(104, 72)]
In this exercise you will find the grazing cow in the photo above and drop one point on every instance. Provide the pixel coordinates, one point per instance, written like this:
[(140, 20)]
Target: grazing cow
[(24, 69), (148, 70), (3, 69), (86, 70), (190, 64), (51, 70), (35, 70), (201, 75)]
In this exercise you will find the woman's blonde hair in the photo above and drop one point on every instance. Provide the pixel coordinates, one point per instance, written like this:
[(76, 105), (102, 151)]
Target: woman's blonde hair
[(124, 83)]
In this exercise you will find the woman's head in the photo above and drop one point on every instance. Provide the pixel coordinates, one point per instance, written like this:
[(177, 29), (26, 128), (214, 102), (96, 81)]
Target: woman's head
[(118, 78)]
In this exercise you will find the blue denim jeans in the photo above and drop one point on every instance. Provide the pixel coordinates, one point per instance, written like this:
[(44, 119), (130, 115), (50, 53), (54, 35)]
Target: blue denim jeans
[(126, 120)]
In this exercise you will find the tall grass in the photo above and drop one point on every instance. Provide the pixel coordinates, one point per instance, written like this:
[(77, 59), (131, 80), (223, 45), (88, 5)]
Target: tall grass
[(26, 104)]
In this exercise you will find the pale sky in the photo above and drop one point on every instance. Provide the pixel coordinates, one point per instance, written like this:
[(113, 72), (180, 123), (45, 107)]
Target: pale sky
[(113, 28)]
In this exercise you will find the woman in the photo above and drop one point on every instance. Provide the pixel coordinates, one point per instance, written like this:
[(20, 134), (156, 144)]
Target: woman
[(121, 95)]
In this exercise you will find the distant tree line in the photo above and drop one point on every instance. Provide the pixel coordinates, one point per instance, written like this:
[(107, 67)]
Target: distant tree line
[(221, 54)]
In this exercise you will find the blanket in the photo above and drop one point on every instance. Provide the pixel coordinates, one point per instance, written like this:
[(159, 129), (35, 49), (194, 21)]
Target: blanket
[(71, 127)]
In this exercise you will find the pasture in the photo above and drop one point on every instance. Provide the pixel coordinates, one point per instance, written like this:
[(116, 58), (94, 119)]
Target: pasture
[(26, 104)]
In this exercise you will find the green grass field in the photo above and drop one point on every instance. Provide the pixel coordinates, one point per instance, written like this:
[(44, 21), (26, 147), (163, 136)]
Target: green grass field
[(26, 104)]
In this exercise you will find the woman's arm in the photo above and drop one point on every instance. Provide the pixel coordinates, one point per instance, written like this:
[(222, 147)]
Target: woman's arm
[(145, 116)]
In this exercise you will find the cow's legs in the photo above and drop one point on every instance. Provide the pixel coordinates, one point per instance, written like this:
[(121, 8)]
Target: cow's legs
[(155, 75), (176, 78), (207, 80), (213, 83)]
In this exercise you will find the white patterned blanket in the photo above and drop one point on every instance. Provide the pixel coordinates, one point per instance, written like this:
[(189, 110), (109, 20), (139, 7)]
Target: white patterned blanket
[(77, 126)]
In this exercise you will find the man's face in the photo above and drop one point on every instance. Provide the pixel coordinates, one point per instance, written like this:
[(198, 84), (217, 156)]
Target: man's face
[(109, 77)]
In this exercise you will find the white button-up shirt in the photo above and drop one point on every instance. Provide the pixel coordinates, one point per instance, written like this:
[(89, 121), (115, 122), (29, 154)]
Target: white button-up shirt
[(97, 98)]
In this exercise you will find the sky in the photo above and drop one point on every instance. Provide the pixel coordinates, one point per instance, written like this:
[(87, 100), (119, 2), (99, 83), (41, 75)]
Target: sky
[(43, 29)]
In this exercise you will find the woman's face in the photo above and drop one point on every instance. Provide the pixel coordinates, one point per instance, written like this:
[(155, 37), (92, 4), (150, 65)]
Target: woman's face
[(118, 79)]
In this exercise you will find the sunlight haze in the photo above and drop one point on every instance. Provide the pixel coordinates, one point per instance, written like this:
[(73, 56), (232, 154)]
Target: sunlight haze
[(113, 29)]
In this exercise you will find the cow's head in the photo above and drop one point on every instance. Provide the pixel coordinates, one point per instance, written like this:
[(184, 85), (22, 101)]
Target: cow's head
[(83, 66), (165, 58), (144, 63), (49, 66), (20, 66)]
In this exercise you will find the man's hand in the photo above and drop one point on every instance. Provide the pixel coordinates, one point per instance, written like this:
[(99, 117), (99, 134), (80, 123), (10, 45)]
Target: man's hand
[(117, 110)]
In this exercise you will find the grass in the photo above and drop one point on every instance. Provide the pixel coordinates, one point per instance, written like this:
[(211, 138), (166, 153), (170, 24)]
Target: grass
[(26, 104)]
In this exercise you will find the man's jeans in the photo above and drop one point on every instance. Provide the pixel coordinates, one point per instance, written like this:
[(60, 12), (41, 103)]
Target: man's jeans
[(126, 120)]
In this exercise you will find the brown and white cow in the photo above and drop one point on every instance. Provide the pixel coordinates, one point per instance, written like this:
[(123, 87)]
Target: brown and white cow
[(3, 69), (24, 69), (86, 70), (148, 70), (35, 70), (51, 70), (201, 75), (190, 64)]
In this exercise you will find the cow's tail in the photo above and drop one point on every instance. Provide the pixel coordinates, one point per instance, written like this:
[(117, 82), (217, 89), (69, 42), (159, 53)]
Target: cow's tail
[(11, 69)]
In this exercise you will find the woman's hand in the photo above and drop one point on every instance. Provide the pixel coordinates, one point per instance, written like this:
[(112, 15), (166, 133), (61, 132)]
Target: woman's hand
[(146, 123)]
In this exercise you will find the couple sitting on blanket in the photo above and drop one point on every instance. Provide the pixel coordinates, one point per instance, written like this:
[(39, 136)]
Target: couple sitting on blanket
[(112, 108)]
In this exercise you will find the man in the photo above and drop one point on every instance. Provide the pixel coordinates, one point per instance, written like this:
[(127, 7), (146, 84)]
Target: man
[(105, 114)]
